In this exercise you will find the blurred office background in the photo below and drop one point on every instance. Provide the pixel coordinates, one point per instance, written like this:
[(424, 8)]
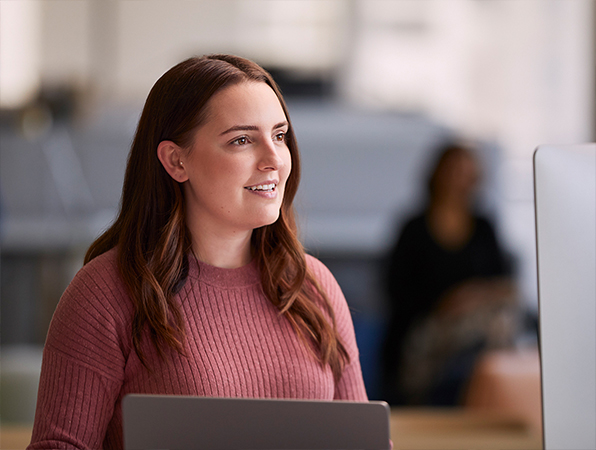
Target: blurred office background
[(372, 87)]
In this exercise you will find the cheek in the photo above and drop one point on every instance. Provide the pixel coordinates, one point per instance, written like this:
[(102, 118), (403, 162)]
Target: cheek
[(216, 172)]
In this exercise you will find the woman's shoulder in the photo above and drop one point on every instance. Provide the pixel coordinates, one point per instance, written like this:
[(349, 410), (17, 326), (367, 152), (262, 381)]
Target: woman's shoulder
[(483, 219), (92, 320), (412, 224), (97, 289), (318, 269), (312, 261), (484, 224), (412, 233), (100, 275), (326, 280), (416, 223), (101, 265)]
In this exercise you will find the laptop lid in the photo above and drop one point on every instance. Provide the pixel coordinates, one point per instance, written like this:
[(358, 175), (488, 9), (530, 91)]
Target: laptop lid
[(565, 196), (183, 422)]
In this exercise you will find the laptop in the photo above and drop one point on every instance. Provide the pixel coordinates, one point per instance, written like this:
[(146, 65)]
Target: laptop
[(184, 422), (565, 200)]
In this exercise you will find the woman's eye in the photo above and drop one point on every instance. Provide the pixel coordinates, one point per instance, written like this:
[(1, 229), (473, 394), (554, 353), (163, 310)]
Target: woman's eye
[(243, 140), (280, 137)]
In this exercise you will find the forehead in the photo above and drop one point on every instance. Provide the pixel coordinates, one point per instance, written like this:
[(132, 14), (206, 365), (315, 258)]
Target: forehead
[(245, 103)]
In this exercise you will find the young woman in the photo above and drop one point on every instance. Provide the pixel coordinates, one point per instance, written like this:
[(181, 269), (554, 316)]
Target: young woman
[(200, 287)]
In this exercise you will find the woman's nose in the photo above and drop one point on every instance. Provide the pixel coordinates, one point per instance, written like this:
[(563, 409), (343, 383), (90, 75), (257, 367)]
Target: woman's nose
[(270, 158)]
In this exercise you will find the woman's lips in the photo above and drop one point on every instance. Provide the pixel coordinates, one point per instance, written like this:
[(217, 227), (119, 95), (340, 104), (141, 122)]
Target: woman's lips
[(262, 187), (266, 189)]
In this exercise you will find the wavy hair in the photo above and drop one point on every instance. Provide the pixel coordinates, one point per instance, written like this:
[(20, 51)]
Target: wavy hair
[(150, 231)]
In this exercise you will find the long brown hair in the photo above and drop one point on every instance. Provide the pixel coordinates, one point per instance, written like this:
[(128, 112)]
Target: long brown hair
[(151, 235)]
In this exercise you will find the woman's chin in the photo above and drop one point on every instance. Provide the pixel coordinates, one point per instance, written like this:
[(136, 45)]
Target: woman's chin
[(267, 219)]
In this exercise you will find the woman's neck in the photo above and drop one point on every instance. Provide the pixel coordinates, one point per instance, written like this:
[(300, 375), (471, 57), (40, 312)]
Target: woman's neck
[(451, 223), (228, 251)]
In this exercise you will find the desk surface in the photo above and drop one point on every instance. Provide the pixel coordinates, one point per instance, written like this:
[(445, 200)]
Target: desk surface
[(412, 429), (456, 429)]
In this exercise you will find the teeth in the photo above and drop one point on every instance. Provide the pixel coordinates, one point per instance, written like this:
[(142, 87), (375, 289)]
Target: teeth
[(262, 187)]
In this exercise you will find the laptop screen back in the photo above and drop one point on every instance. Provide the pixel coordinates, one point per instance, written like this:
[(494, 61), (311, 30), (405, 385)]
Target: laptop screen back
[(180, 422), (565, 189)]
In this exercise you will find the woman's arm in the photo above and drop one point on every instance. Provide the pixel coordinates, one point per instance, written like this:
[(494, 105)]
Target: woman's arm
[(83, 363), (74, 405)]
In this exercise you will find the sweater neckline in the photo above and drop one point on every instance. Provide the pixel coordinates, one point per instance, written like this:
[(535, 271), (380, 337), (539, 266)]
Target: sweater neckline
[(246, 275)]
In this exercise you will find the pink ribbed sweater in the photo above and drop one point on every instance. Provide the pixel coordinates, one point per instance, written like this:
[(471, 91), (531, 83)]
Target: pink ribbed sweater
[(237, 346)]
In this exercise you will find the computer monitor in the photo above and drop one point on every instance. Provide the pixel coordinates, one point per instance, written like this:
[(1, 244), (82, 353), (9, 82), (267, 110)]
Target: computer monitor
[(186, 422), (565, 200)]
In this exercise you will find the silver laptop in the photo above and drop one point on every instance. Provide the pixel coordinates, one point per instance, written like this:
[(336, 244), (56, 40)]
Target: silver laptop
[(181, 422), (565, 196)]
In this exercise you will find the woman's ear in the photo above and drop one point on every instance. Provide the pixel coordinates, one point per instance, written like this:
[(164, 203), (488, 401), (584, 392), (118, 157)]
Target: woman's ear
[(170, 156)]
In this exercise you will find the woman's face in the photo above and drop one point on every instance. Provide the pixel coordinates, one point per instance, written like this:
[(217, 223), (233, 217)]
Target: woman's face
[(239, 162), (458, 176)]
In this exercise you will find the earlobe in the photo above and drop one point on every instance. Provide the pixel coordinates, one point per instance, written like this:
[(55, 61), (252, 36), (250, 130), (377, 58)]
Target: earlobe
[(169, 155)]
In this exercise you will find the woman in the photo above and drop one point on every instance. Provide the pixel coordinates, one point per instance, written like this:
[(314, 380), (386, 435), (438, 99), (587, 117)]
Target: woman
[(200, 287), (449, 288)]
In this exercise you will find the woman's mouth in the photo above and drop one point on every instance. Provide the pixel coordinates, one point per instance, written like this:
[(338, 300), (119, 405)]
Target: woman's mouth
[(262, 187)]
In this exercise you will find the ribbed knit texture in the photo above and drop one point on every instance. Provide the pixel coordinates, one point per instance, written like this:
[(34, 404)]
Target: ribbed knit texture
[(237, 345)]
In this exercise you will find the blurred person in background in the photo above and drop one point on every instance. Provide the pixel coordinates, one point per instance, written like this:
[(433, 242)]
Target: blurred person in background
[(200, 287), (449, 287)]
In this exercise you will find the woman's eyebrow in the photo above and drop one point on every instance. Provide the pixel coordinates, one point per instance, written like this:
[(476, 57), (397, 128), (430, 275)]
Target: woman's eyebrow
[(240, 128), (252, 127)]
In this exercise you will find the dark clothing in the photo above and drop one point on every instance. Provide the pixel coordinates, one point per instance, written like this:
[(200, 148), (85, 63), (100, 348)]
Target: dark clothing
[(420, 271)]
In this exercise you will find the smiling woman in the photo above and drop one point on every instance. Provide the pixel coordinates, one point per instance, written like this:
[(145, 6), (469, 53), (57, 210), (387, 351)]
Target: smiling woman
[(200, 287), (234, 173)]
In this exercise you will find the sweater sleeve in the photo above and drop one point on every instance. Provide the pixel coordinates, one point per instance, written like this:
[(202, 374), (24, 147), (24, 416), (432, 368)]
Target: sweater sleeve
[(351, 385), (83, 362)]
